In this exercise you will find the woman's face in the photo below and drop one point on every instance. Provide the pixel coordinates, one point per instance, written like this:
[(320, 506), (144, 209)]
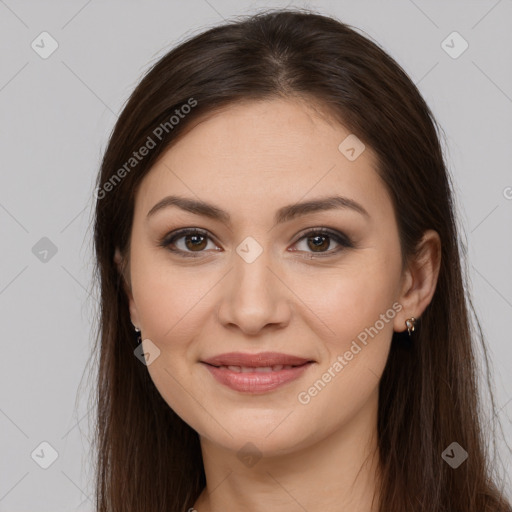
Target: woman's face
[(258, 277)]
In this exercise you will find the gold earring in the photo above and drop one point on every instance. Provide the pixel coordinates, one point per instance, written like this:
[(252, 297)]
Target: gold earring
[(411, 324)]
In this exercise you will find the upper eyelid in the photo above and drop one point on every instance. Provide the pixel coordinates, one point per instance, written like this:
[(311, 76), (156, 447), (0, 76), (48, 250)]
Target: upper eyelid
[(322, 230)]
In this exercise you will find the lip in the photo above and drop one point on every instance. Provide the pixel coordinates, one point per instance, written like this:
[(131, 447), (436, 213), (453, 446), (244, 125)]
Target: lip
[(255, 360), (255, 382)]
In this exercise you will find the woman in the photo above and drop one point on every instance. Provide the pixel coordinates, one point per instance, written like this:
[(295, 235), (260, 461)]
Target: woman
[(283, 318)]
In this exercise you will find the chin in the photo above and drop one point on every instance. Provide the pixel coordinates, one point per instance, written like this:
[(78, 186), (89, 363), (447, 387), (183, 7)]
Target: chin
[(271, 437)]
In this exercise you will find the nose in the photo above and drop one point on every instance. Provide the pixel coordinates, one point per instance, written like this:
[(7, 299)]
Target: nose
[(254, 298)]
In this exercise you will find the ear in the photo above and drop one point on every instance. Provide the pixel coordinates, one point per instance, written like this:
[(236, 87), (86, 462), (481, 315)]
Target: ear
[(122, 268), (420, 279)]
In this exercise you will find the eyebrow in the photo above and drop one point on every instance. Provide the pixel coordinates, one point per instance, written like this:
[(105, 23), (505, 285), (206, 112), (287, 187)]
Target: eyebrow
[(284, 214)]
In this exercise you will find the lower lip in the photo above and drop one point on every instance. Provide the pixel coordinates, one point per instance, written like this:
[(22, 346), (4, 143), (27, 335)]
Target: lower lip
[(255, 382)]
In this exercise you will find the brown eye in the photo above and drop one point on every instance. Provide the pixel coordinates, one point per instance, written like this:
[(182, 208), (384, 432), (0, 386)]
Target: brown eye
[(195, 242), (186, 242), (319, 241)]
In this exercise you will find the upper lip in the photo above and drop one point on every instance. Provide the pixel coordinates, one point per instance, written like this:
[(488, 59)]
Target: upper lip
[(261, 359)]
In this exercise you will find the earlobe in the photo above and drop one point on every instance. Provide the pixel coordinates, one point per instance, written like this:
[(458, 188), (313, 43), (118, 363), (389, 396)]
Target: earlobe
[(421, 279)]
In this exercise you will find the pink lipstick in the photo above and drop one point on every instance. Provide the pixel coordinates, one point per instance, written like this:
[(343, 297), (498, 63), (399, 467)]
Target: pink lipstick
[(256, 373)]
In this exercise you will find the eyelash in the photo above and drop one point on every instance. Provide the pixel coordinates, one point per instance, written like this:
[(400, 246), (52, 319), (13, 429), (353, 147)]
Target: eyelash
[(338, 237)]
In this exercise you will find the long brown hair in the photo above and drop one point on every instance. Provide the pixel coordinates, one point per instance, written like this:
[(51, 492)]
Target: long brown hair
[(148, 459)]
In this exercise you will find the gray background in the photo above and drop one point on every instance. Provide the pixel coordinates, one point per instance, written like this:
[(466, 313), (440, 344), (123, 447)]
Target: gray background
[(56, 114)]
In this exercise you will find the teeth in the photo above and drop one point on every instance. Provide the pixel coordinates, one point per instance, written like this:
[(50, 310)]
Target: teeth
[(258, 369)]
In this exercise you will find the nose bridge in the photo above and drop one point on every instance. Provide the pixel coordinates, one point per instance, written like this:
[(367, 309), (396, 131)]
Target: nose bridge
[(254, 298), (251, 271)]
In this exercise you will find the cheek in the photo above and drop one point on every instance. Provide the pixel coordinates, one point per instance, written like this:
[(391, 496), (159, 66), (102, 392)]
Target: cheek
[(357, 306), (171, 306), (349, 299), (168, 299), (362, 319), (360, 310)]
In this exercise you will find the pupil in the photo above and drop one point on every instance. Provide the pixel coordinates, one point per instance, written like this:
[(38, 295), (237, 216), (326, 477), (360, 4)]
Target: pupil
[(317, 243), (196, 243)]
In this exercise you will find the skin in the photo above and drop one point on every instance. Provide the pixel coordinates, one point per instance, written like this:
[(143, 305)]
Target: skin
[(251, 159)]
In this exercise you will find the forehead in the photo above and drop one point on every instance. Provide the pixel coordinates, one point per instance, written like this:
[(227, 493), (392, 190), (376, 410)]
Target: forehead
[(263, 153)]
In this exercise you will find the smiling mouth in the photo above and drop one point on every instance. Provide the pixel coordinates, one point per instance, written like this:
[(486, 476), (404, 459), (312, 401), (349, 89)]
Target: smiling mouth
[(257, 369), (256, 379)]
